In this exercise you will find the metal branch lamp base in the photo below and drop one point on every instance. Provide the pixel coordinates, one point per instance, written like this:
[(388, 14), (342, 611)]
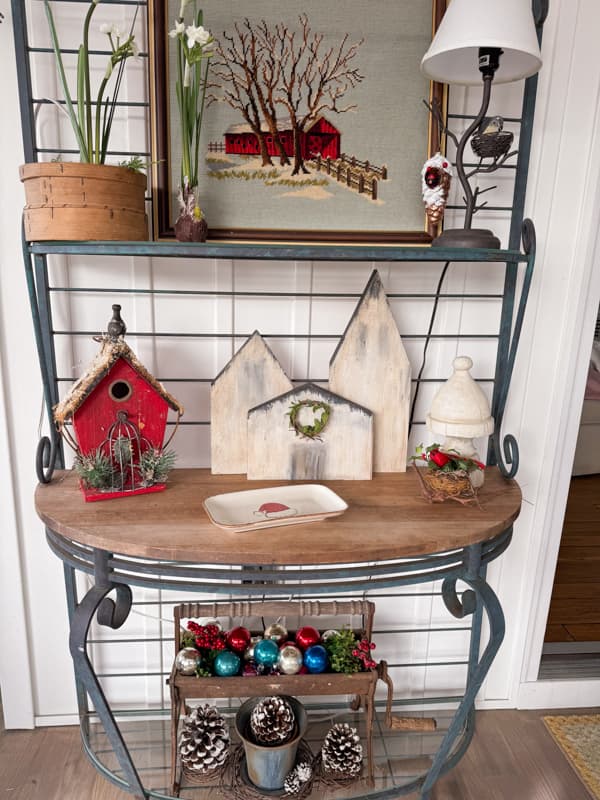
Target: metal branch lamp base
[(468, 237)]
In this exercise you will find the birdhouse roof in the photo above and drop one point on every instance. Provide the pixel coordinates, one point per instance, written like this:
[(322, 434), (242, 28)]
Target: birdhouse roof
[(110, 351)]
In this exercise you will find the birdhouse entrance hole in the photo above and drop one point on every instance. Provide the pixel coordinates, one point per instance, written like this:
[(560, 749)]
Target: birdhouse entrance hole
[(120, 390)]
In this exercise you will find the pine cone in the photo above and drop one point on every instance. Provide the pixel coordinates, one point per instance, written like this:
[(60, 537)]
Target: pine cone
[(342, 751), (296, 779), (272, 721), (204, 743)]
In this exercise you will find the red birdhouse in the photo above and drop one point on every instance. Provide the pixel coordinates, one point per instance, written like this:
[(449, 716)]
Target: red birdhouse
[(119, 416)]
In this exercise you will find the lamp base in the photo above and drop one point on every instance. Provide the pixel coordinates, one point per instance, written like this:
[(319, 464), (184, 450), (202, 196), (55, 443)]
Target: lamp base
[(473, 238)]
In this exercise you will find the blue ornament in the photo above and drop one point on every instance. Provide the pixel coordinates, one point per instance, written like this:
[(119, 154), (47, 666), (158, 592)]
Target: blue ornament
[(266, 652), (315, 658), (226, 664)]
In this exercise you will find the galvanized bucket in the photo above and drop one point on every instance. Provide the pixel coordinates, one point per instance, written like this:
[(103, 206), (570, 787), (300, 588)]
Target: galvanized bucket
[(268, 766)]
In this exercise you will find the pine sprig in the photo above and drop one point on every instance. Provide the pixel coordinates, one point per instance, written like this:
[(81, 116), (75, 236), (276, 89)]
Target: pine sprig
[(339, 649), (155, 465), (94, 469)]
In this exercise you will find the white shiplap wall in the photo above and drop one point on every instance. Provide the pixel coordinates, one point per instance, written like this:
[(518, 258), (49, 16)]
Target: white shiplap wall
[(33, 586)]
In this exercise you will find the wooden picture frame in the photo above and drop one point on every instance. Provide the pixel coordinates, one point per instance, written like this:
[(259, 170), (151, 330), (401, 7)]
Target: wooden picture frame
[(371, 196)]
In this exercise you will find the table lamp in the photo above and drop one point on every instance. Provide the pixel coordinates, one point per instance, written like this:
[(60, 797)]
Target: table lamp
[(482, 40)]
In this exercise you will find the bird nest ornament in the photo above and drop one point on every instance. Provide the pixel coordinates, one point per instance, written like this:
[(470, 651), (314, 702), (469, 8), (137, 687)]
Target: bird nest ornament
[(447, 475), (491, 141)]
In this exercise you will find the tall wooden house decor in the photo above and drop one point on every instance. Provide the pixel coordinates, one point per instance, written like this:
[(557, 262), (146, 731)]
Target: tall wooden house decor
[(310, 433), (370, 367), (119, 415), (252, 376)]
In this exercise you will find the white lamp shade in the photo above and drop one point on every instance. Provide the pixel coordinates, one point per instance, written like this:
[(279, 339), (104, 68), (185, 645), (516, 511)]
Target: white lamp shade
[(467, 25)]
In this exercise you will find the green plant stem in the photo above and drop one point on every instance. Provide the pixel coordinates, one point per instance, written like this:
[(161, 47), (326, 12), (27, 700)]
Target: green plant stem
[(97, 158), (63, 79), (88, 88), (185, 162), (199, 122)]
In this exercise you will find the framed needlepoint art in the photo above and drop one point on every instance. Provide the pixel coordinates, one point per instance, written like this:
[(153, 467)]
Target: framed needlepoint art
[(313, 125)]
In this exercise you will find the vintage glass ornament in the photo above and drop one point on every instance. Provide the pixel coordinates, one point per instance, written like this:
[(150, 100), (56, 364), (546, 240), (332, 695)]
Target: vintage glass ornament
[(329, 634), (249, 651), (187, 660), (249, 670), (315, 658), (238, 639), (226, 664), (290, 659), (307, 636), (277, 632), (266, 652)]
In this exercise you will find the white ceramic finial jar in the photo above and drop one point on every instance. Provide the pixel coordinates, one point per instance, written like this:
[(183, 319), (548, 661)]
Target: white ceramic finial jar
[(460, 412)]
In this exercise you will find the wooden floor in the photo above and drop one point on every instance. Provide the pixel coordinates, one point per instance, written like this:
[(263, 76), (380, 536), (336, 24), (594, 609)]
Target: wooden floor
[(575, 607), (512, 757)]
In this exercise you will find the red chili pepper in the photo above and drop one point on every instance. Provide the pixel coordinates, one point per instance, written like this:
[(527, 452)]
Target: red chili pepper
[(438, 458)]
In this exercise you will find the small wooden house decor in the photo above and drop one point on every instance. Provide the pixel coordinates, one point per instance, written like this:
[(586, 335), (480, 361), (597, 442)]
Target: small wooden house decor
[(119, 414), (370, 367), (252, 376), (310, 433)]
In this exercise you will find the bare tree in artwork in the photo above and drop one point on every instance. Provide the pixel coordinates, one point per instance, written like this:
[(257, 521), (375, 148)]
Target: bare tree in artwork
[(260, 69), (247, 75), (314, 78)]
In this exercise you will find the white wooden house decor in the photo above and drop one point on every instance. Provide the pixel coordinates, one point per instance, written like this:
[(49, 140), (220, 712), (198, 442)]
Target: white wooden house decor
[(252, 376), (343, 450), (370, 367)]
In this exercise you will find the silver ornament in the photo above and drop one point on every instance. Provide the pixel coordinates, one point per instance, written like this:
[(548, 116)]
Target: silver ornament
[(249, 652), (290, 659), (329, 634), (277, 632), (187, 660)]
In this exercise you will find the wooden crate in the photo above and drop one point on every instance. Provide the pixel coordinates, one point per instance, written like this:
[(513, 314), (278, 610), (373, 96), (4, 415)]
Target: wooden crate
[(360, 685)]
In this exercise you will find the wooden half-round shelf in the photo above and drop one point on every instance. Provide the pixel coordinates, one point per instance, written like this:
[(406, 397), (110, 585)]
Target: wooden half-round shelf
[(387, 518)]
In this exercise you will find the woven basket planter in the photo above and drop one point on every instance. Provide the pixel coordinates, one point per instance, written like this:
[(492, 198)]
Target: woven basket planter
[(81, 202)]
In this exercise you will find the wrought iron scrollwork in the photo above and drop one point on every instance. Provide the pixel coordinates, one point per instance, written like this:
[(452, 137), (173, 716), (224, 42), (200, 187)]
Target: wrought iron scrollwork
[(459, 607), (112, 614), (45, 458), (506, 450)]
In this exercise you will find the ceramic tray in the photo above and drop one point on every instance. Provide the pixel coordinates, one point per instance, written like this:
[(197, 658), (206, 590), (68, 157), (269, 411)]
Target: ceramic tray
[(268, 508)]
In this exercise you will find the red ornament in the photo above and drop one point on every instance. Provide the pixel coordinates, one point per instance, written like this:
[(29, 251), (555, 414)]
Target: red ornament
[(439, 458), (307, 636), (238, 639)]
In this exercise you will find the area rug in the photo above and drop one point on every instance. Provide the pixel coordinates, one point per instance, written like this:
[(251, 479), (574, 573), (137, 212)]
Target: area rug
[(579, 739)]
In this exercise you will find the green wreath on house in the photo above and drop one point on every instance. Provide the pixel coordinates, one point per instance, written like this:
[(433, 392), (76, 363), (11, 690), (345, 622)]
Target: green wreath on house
[(322, 412)]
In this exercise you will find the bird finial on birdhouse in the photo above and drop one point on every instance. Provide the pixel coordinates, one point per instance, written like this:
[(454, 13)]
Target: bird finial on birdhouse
[(116, 327)]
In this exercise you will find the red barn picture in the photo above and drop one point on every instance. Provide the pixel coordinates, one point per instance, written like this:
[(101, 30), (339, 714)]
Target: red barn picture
[(119, 415), (320, 138)]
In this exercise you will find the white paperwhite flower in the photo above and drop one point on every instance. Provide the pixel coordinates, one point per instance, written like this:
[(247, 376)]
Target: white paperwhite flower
[(112, 29), (177, 30), (197, 35)]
